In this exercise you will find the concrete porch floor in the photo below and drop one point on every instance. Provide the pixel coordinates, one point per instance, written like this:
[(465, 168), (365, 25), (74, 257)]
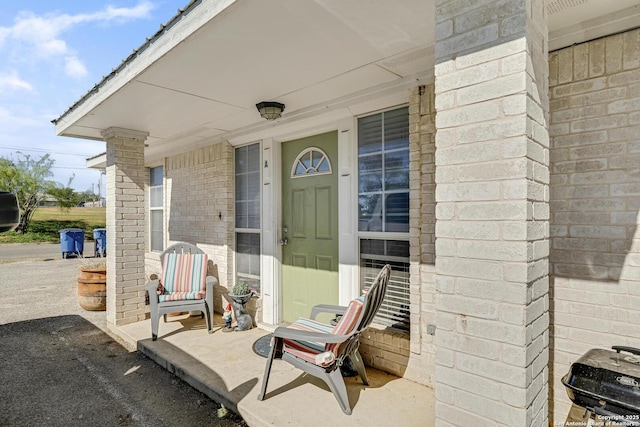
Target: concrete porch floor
[(224, 367)]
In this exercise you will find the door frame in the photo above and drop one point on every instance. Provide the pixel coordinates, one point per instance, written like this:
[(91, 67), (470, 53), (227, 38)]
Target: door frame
[(271, 251)]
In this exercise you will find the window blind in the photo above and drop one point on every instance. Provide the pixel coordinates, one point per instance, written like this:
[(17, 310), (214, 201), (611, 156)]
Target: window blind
[(374, 254)]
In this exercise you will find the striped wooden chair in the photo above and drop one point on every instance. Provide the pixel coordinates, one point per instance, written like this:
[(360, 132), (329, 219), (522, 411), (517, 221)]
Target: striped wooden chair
[(319, 349), (183, 285)]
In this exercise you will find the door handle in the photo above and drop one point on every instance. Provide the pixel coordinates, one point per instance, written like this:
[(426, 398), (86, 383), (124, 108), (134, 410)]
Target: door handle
[(284, 242)]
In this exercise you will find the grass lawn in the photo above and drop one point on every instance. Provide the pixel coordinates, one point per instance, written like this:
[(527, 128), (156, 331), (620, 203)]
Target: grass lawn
[(48, 221)]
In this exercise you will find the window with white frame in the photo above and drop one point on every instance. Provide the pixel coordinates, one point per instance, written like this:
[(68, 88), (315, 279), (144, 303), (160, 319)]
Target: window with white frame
[(247, 214), (156, 208), (383, 209)]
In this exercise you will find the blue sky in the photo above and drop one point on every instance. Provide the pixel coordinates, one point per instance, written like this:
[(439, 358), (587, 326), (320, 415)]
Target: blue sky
[(52, 53)]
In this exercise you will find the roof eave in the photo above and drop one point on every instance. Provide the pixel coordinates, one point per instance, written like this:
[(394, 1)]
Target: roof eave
[(179, 27)]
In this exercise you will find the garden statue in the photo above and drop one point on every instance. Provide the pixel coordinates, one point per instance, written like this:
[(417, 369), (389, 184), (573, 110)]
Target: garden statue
[(227, 318), (240, 296)]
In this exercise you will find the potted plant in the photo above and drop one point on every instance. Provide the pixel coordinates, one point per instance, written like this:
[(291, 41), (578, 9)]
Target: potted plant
[(240, 295), (92, 285)]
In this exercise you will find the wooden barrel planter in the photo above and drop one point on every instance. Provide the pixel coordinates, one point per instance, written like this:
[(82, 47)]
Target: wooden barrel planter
[(92, 289)]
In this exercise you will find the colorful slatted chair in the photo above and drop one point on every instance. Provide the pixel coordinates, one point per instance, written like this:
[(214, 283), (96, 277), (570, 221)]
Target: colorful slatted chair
[(319, 349), (183, 286)]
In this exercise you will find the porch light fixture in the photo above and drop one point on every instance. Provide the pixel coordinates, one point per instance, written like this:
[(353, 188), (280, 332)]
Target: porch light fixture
[(270, 110)]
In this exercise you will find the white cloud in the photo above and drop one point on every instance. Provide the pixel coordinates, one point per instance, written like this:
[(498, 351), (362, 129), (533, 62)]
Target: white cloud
[(74, 67), (142, 10), (11, 81), (40, 37)]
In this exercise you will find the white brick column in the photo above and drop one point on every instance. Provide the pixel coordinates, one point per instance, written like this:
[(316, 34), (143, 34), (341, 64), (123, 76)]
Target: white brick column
[(126, 227), (492, 248)]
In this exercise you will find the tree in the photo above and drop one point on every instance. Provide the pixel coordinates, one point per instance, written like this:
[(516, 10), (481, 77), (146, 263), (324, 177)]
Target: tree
[(89, 196), (66, 197), (26, 177)]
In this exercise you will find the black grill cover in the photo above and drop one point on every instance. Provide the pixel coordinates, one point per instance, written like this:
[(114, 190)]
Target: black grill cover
[(606, 380)]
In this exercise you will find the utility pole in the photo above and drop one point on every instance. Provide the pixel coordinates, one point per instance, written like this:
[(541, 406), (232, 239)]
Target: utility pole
[(102, 172)]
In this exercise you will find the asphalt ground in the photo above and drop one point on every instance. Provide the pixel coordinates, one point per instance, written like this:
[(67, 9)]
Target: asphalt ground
[(58, 366), (13, 252)]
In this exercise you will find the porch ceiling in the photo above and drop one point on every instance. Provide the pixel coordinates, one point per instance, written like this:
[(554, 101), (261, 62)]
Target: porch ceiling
[(300, 53), (202, 79)]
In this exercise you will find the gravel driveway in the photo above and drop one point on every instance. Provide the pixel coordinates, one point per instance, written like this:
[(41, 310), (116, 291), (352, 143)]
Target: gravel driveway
[(59, 367)]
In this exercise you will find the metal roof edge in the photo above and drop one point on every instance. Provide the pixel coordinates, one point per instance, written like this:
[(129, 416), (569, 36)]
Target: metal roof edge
[(164, 28)]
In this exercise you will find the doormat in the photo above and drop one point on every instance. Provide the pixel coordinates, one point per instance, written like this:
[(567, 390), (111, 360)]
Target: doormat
[(262, 346)]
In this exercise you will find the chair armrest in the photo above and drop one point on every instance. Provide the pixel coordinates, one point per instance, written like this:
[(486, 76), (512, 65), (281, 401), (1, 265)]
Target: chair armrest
[(325, 308), (211, 282), (152, 286), (298, 335)]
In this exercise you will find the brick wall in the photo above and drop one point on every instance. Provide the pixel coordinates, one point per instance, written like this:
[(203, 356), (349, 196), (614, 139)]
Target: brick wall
[(492, 213), (199, 207), (595, 164), (423, 222), (126, 177), (386, 350)]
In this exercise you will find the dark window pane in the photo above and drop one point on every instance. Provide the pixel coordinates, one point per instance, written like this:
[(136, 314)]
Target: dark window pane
[(323, 166), (397, 212), (242, 160), (396, 129), (155, 197), (253, 215), (372, 247), (155, 176), (248, 259), (383, 170), (396, 168), (253, 158), (247, 186), (241, 214), (241, 187), (370, 212), (397, 248), (396, 160), (316, 157), (300, 169), (306, 160), (369, 183), (370, 134), (253, 186), (370, 163), (157, 231)]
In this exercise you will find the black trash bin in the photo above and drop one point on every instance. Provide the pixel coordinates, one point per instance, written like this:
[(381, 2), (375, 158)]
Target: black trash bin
[(100, 238), (71, 242)]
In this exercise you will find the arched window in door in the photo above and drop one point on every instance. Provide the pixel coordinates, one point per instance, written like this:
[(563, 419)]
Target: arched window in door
[(311, 161)]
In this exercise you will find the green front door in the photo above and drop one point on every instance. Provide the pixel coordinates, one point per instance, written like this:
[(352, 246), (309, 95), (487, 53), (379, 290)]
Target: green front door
[(309, 224)]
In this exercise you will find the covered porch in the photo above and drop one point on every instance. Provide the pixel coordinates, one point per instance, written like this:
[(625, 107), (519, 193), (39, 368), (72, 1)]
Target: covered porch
[(503, 144), (224, 367)]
